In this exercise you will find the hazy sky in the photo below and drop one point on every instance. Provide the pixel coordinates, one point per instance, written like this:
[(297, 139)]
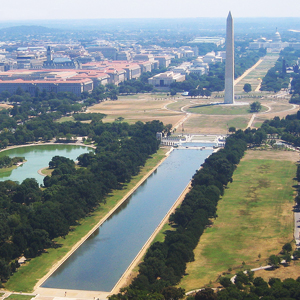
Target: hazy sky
[(96, 9)]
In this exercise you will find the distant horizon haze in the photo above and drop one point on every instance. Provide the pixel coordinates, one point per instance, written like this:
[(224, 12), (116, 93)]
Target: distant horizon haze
[(20, 10)]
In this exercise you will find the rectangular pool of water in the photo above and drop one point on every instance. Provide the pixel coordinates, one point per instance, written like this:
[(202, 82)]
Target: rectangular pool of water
[(98, 264)]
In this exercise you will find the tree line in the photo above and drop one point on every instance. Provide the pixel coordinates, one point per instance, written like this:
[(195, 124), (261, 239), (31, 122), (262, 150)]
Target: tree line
[(246, 287), (165, 262), (277, 77), (288, 128)]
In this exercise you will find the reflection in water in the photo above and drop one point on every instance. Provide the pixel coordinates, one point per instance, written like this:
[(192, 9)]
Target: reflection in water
[(100, 262), (120, 208)]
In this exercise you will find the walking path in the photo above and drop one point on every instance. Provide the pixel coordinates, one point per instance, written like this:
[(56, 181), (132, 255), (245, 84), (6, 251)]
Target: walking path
[(251, 121), (40, 171), (6, 294), (180, 122), (247, 72)]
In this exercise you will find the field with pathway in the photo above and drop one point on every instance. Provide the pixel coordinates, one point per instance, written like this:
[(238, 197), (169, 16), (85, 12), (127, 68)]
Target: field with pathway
[(254, 218), (255, 76), (133, 108)]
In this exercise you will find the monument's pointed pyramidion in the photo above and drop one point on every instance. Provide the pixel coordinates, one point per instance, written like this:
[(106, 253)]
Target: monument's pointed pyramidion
[(229, 64)]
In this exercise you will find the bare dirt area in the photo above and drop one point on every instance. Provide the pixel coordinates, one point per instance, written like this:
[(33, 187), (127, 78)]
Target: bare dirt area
[(143, 109), (279, 108), (4, 106), (171, 111), (272, 154)]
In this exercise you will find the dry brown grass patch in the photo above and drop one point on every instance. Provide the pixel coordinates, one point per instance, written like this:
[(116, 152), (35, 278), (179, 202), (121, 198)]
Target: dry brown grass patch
[(283, 272), (272, 154)]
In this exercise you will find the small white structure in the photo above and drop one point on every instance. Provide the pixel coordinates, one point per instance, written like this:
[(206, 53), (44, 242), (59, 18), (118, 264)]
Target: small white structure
[(22, 260)]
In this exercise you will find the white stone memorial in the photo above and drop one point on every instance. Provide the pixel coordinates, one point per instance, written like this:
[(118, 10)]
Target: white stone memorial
[(229, 64)]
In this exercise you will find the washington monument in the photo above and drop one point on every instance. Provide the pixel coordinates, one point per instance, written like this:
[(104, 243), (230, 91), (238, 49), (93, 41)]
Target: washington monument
[(229, 64)]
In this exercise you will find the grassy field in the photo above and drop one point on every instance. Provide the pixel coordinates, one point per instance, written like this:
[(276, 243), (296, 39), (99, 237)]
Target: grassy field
[(159, 106), (292, 271), (222, 109), (47, 171), (28, 275), (138, 108), (65, 119), (19, 297), (254, 217), (213, 124), (7, 171), (258, 73)]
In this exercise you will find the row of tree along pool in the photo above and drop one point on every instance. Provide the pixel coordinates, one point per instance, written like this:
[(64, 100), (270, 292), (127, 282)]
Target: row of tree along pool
[(100, 262)]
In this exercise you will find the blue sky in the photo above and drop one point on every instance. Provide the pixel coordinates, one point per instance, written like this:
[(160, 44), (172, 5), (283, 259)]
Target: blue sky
[(97, 9)]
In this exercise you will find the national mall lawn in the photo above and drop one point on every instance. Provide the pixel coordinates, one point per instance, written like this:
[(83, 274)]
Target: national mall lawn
[(255, 219)]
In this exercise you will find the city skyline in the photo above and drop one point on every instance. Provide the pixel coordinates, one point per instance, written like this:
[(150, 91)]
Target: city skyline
[(95, 9)]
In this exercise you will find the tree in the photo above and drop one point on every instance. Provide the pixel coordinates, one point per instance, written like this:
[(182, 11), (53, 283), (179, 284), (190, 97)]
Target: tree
[(193, 93), (255, 106), (173, 293), (232, 129), (274, 261), (4, 270), (287, 248), (225, 282), (206, 294), (247, 87)]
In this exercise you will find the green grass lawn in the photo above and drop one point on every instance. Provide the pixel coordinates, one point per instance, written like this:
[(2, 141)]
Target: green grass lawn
[(7, 171), (222, 109), (238, 123), (28, 275), (214, 124), (254, 217), (47, 171), (65, 119), (19, 297), (257, 124)]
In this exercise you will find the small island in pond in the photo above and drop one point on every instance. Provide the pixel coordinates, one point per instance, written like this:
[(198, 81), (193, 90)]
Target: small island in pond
[(7, 162)]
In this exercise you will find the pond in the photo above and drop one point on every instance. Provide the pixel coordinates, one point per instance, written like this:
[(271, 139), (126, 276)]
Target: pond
[(38, 157)]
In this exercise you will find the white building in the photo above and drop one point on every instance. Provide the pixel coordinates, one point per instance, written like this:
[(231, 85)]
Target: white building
[(165, 79), (183, 68), (208, 40), (275, 45)]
